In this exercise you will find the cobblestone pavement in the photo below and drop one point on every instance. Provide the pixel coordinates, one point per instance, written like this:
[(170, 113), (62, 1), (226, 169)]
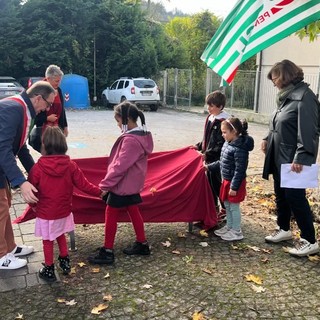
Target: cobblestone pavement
[(193, 274)]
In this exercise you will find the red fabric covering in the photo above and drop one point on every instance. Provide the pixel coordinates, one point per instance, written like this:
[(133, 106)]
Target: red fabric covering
[(176, 190)]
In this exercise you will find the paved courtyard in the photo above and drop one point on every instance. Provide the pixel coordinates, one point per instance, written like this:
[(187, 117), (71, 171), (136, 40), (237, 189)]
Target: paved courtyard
[(187, 274)]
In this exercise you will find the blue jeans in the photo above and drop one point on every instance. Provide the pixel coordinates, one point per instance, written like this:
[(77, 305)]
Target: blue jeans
[(293, 201), (233, 215)]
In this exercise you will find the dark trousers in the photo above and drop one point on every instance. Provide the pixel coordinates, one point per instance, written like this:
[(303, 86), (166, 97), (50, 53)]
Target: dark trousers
[(214, 178), (293, 201)]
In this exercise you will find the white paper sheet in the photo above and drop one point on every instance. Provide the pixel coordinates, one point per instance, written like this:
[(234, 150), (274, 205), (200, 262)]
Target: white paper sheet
[(307, 178)]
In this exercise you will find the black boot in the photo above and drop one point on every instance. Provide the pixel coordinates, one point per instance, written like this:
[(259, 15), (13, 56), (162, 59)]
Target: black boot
[(64, 264), (138, 248), (105, 256), (47, 273)]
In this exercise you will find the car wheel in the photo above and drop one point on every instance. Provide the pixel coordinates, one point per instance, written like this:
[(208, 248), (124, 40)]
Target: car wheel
[(123, 99), (105, 102), (153, 107)]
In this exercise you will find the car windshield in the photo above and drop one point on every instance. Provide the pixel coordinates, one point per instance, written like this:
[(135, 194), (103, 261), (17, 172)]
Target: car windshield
[(143, 83)]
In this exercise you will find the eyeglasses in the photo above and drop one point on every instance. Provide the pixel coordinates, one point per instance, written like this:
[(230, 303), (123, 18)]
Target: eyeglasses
[(274, 79), (49, 104)]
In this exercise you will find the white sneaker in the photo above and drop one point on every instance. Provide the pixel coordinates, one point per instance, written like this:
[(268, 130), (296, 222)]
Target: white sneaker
[(22, 250), (221, 231), (278, 236), (10, 262), (232, 235), (304, 248)]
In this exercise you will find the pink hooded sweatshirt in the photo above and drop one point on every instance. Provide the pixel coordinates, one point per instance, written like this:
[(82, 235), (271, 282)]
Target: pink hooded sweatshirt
[(127, 166)]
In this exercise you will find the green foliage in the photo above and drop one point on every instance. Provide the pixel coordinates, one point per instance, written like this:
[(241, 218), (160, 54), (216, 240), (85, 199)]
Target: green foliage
[(312, 31), (192, 35)]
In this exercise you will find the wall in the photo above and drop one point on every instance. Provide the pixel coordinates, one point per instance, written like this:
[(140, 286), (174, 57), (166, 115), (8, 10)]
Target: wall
[(301, 52)]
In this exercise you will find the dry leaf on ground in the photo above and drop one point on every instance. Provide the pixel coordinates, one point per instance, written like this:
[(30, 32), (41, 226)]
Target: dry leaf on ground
[(204, 244), (253, 278), (204, 233), (71, 302), (107, 297), (166, 244), (98, 309), (258, 289)]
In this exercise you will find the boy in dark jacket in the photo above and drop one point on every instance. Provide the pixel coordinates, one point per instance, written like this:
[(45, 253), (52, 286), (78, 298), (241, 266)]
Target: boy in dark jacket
[(212, 142)]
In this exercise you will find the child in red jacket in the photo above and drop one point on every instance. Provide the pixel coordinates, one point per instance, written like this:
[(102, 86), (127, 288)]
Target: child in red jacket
[(54, 175)]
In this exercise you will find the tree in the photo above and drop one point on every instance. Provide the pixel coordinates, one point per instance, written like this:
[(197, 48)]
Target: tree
[(10, 26), (311, 31)]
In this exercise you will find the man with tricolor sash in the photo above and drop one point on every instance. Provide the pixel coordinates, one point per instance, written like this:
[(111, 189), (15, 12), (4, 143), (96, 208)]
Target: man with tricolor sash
[(16, 115)]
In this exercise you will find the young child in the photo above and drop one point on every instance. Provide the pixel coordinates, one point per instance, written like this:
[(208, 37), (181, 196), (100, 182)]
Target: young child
[(212, 142), (54, 175), (233, 165), (124, 181)]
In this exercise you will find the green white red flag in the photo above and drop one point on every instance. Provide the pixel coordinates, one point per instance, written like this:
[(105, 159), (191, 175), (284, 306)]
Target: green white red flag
[(252, 26)]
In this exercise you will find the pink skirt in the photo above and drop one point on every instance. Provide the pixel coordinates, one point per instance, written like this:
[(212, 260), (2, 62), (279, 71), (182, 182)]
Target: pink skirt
[(52, 229)]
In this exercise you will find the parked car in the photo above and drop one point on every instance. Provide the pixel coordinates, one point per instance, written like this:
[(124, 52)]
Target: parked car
[(9, 87), (29, 81), (141, 91)]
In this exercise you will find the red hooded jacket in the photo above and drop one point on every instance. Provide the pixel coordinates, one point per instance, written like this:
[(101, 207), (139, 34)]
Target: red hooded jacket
[(54, 177)]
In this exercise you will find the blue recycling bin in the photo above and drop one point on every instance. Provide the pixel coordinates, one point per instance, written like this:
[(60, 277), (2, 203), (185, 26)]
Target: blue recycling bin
[(75, 90)]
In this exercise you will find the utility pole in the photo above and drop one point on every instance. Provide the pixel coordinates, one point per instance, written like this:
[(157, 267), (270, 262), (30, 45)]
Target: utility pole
[(94, 67)]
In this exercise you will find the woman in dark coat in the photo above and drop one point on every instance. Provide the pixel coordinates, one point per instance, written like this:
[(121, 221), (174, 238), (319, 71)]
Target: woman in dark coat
[(293, 138)]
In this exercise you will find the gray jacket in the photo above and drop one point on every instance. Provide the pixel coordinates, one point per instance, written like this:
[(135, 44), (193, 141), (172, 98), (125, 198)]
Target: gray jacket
[(293, 131)]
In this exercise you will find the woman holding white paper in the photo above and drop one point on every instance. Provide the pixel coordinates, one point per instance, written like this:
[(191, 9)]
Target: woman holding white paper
[(293, 138)]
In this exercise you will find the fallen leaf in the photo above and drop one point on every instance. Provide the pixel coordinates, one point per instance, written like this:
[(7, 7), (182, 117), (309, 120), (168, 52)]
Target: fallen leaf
[(265, 260), (71, 302), (19, 316), (269, 251), (187, 259), (107, 297), (95, 270), (73, 270), (181, 235), (258, 289), (147, 286), (207, 271), (61, 300), (107, 276), (314, 258), (286, 249), (253, 278), (98, 309), (198, 316), (254, 248), (203, 233), (81, 264), (176, 252), (166, 244), (204, 244)]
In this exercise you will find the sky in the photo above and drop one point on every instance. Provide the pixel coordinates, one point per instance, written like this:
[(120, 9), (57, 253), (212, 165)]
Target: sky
[(219, 7)]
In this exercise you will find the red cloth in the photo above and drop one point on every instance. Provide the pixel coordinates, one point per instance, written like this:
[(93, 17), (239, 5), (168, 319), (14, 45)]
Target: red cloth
[(176, 190)]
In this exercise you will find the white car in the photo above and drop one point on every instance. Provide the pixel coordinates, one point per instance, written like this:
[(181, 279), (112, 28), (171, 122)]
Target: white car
[(141, 91)]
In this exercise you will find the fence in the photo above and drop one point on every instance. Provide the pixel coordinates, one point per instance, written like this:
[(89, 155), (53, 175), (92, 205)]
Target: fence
[(250, 90)]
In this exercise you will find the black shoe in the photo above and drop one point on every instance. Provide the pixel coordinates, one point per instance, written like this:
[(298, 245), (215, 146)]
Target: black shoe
[(47, 273), (64, 264), (105, 256), (138, 248)]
